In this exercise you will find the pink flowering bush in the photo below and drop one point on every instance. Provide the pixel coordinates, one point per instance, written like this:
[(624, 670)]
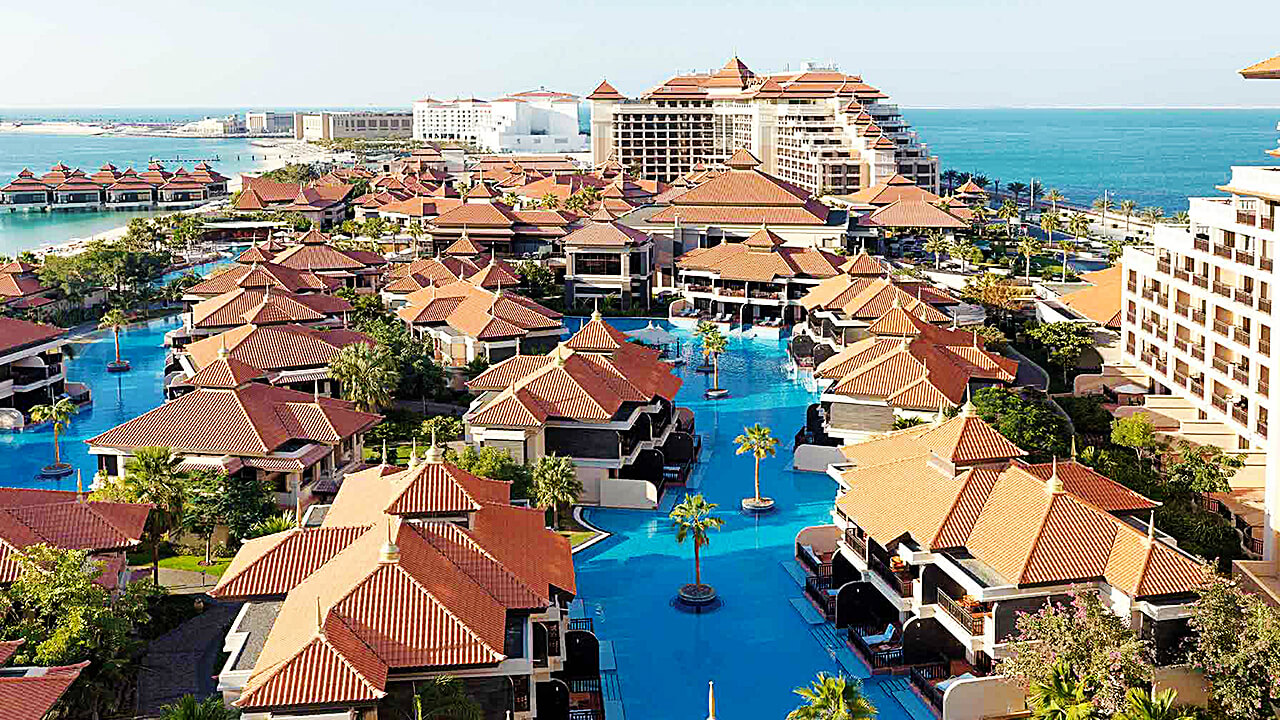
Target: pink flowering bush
[(1237, 647)]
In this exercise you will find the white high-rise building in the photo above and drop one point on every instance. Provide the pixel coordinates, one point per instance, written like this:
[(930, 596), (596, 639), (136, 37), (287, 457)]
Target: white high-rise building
[(532, 121), (1198, 323), (817, 127)]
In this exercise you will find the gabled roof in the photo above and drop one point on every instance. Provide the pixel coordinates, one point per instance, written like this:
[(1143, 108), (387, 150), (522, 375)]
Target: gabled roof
[(1100, 302), (866, 299), (264, 307), (258, 275), (744, 195), (897, 187), (604, 231), (914, 214), (477, 312), (762, 260), (605, 91), (225, 372), (275, 347), (16, 333), (32, 694), (1268, 69), (253, 420)]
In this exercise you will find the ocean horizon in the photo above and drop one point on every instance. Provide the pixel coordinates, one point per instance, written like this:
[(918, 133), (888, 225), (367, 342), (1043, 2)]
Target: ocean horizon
[(1153, 156)]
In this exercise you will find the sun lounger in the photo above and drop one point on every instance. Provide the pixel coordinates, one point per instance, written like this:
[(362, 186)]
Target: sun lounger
[(883, 637), (942, 686)]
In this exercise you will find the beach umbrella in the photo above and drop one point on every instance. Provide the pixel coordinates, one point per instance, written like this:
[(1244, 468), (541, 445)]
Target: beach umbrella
[(653, 335)]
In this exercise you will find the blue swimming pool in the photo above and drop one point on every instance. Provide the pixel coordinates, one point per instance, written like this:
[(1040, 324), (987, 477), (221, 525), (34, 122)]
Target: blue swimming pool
[(756, 647)]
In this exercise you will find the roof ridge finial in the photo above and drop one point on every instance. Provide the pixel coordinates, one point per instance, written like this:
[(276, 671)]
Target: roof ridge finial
[(1151, 527), (1073, 446), (384, 452), (1054, 485), (434, 454), (595, 314), (222, 351), (967, 409), (319, 615), (315, 395), (79, 486), (413, 456)]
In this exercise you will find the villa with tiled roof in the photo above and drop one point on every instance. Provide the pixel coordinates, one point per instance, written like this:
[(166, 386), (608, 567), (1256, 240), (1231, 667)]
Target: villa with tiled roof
[(605, 258), (597, 398), (465, 321), (818, 128), (412, 573), (21, 289), (944, 535), (487, 271), (324, 204), (32, 369), (288, 355), (760, 278), (69, 521), (314, 253), (840, 309), (255, 300), (32, 692), (905, 368), (299, 444), (493, 226), (109, 188)]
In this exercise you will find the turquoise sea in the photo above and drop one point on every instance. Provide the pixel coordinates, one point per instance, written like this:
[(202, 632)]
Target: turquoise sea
[(1152, 156)]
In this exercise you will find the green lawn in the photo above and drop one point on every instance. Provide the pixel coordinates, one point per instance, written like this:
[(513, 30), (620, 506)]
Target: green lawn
[(180, 562), (576, 538)]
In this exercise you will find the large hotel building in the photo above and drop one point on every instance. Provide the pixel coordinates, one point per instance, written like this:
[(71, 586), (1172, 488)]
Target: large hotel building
[(821, 129), (1197, 321)]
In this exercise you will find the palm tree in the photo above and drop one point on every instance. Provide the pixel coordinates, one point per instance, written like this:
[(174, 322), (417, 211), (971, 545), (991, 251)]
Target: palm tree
[(1016, 189), (272, 525), (1153, 214), (760, 442), (152, 476), (692, 519), (510, 199), (366, 374), (949, 177), (1008, 212), (1061, 696), (555, 483), (937, 244), (113, 320), (1028, 247), (833, 698), (189, 708), (550, 201), (962, 250), (444, 698), (1078, 225), (981, 213), (1102, 205), (59, 414), (1127, 209), (415, 232), (1054, 197), (1067, 246), (713, 344), (1182, 217), (1152, 706), (1049, 222)]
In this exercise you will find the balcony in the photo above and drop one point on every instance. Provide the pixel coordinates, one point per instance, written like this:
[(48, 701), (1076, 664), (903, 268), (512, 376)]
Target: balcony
[(1201, 243), (971, 615), (1183, 275), (1264, 388), (1163, 267), (1148, 327), (881, 655), (1222, 251), (1244, 256), (1264, 305), (1241, 335), (1244, 297), (857, 544), (1264, 347), (1222, 327), (1197, 352), (1162, 332), (1240, 375), (1180, 379), (1183, 310), (1262, 428), (1267, 223), (1222, 289), (1131, 316), (900, 582), (1220, 402), (1222, 365), (1148, 293), (1265, 263), (1182, 344), (817, 589), (1197, 388), (1246, 218), (1198, 316), (1200, 282), (1240, 414)]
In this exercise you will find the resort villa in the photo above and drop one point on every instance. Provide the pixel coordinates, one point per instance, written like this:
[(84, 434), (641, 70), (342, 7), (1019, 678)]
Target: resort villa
[(32, 371), (493, 226), (933, 586), (298, 444), (288, 355), (35, 689), (841, 309), (65, 188), (603, 401), (21, 289), (606, 258), (905, 368), (760, 280), (323, 204), (360, 270), (107, 530), (816, 128), (465, 322), (486, 271), (411, 573)]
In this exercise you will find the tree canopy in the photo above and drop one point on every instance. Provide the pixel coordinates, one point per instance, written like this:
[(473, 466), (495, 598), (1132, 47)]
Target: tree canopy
[(1029, 423)]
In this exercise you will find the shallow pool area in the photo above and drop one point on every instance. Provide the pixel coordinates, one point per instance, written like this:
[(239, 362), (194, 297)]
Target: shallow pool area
[(756, 647)]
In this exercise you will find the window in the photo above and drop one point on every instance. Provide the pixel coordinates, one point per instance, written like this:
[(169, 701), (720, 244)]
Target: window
[(597, 264)]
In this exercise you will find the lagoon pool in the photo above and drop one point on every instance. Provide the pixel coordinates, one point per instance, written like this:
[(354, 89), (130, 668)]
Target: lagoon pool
[(756, 646)]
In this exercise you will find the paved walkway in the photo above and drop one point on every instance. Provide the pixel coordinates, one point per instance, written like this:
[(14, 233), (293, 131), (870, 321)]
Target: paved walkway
[(178, 582), (183, 661), (1029, 373)]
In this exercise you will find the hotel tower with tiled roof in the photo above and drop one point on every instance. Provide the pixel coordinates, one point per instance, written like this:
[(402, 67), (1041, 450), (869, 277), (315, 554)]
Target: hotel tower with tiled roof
[(1197, 329), (943, 535), (819, 128), (411, 573)]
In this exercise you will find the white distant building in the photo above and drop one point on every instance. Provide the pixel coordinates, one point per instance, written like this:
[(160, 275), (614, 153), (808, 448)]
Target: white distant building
[(327, 125), (269, 123), (229, 125), (534, 121)]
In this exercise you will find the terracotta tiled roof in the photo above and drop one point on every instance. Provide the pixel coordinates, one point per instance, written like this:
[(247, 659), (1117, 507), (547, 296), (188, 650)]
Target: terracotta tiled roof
[(240, 306), (763, 260), (1268, 69), (967, 440), (596, 335), (970, 188), (914, 214), (867, 299), (897, 187), (1093, 487), (32, 696), (605, 233), (253, 420), (477, 312), (257, 275), (275, 347), (225, 372), (51, 517), (274, 564), (1101, 302), (16, 333)]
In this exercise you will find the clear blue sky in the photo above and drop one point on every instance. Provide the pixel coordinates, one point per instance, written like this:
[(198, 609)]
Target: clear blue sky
[(953, 53)]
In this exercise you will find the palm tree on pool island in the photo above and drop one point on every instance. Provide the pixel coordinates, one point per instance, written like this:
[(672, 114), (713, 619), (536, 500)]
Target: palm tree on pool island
[(692, 519), (59, 414), (555, 483), (760, 442), (113, 320), (833, 698), (713, 344)]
